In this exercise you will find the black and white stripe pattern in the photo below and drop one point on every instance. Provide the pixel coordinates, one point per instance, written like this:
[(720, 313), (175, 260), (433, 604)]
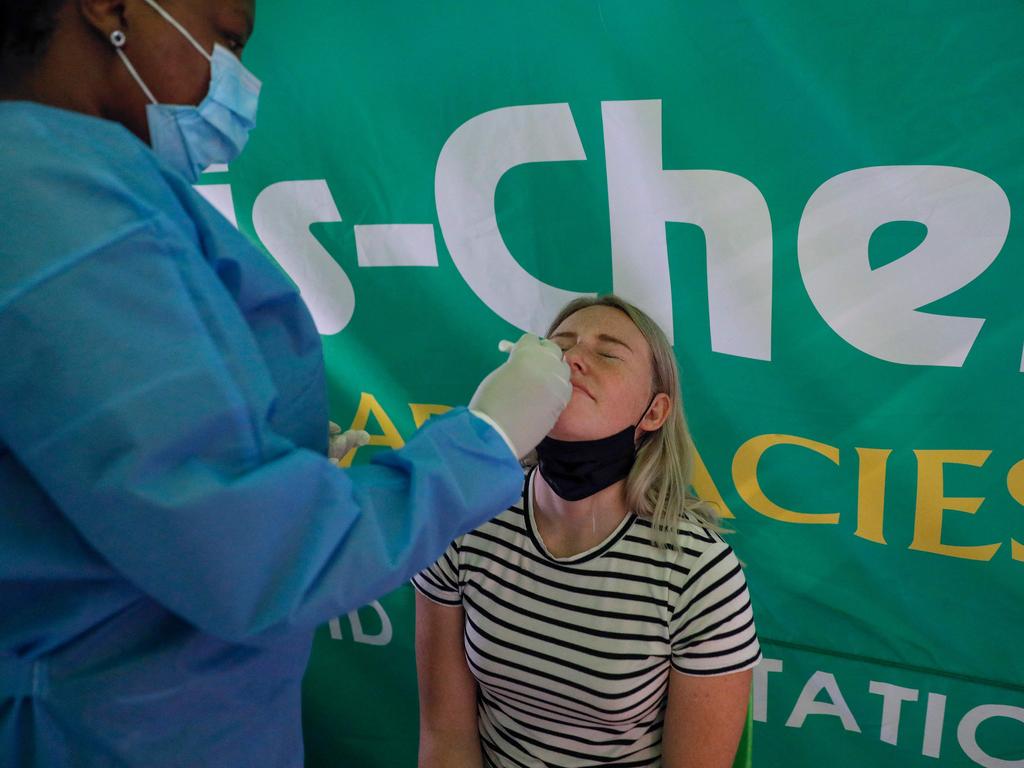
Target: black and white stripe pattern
[(572, 655)]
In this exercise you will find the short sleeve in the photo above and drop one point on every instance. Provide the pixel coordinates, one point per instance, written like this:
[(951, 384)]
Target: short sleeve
[(712, 627), (440, 581)]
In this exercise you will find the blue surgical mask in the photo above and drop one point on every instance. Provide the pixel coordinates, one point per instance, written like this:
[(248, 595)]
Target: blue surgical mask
[(576, 469), (190, 138)]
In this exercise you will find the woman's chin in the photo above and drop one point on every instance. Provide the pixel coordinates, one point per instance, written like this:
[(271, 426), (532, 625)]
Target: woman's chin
[(565, 429), (575, 422)]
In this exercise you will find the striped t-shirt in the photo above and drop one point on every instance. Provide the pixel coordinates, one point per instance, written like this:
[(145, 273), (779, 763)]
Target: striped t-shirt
[(572, 655)]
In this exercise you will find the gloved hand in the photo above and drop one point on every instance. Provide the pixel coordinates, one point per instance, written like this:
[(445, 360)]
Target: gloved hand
[(339, 443), (525, 395)]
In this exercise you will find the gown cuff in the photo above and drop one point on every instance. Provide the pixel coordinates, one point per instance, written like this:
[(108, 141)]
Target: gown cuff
[(494, 425)]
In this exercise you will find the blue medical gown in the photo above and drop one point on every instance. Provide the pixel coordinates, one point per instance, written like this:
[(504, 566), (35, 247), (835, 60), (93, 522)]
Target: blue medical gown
[(170, 531)]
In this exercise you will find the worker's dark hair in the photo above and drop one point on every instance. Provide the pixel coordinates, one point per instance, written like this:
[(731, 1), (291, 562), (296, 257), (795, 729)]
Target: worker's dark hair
[(25, 30)]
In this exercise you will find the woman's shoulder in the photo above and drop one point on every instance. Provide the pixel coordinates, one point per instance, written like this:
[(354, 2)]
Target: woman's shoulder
[(60, 146), (91, 176), (504, 528), (682, 548)]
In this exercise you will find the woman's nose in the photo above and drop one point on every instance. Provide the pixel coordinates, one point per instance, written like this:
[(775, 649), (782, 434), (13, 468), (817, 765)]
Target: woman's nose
[(574, 357)]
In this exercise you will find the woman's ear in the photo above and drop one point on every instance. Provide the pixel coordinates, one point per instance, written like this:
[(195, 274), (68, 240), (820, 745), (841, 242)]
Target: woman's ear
[(104, 15), (657, 413)]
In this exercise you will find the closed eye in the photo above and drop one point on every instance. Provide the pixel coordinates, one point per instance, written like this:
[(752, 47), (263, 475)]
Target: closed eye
[(235, 42)]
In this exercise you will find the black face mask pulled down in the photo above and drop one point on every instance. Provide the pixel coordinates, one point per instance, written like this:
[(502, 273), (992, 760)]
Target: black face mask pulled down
[(576, 469)]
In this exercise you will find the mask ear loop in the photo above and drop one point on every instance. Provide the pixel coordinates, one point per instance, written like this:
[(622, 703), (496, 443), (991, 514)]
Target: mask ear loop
[(178, 26), (647, 407), (117, 39), (646, 434)]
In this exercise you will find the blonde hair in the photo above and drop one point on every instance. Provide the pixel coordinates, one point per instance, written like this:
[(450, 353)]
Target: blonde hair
[(658, 485)]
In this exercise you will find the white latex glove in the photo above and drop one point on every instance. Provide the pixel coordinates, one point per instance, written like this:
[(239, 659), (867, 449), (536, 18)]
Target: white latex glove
[(524, 396), (339, 443)]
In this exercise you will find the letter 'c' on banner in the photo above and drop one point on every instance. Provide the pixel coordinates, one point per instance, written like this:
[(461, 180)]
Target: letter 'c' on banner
[(744, 473), (471, 164)]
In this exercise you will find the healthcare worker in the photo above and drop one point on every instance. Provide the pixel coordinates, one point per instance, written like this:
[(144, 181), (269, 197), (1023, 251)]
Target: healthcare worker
[(171, 531)]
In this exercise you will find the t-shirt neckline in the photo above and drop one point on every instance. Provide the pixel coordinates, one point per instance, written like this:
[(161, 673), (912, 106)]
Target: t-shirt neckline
[(596, 551)]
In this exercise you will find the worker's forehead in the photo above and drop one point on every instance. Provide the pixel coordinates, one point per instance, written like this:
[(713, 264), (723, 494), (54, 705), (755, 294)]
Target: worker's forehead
[(245, 9), (233, 11), (242, 10)]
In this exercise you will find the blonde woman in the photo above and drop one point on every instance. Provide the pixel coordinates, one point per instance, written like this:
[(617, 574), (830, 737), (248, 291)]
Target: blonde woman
[(602, 620)]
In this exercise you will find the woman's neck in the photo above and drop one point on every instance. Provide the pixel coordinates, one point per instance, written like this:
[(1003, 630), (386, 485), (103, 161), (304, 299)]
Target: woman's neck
[(568, 528), (47, 84), (72, 73)]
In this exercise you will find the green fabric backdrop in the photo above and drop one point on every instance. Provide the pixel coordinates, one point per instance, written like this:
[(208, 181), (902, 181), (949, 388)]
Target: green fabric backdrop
[(815, 198)]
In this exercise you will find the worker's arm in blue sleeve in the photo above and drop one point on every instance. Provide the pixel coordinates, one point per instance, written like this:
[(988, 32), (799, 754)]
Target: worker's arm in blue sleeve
[(139, 401)]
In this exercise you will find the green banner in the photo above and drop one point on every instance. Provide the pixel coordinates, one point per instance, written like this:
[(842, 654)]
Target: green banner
[(813, 199)]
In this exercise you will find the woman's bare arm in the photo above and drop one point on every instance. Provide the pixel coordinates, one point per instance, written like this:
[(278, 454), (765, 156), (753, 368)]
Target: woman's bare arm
[(448, 718), (704, 719)]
